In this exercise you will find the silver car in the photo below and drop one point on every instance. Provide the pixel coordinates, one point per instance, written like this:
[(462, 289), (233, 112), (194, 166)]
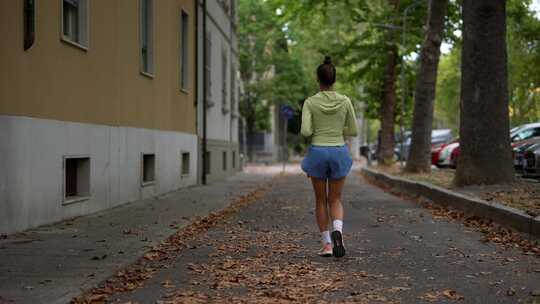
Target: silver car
[(438, 137), (524, 132)]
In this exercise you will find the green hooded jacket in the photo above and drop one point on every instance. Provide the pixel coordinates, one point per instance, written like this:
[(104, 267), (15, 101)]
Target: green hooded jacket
[(327, 117)]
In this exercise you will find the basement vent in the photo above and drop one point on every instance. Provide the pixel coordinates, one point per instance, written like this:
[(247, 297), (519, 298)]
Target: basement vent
[(148, 169), (208, 162), (76, 179), (185, 163)]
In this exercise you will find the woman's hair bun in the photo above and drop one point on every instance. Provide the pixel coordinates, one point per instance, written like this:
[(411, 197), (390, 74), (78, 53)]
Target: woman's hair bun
[(327, 60)]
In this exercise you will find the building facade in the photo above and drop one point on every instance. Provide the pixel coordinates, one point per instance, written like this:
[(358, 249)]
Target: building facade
[(218, 72), (98, 105)]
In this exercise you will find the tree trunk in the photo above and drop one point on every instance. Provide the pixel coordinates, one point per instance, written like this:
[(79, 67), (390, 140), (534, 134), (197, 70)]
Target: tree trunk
[(250, 126), (388, 109), (484, 129), (420, 153), (385, 155)]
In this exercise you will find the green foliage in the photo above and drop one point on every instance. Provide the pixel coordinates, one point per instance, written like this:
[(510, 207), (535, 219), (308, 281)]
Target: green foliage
[(448, 91), (288, 40), (523, 39), (270, 72), (523, 62), (357, 34)]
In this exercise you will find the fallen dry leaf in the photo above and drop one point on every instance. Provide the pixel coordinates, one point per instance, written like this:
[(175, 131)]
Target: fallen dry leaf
[(452, 295), (163, 254)]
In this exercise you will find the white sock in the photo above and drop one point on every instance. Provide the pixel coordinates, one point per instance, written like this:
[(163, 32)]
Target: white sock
[(338, 225), (325, 237)]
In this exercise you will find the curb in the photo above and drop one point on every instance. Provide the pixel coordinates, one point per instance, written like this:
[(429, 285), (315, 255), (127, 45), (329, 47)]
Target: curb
[(499, 213)]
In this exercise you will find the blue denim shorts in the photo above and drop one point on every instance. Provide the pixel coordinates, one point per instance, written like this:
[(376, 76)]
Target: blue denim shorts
[(333, 162)]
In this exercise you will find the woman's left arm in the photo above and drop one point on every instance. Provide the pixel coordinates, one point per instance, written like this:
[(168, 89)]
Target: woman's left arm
[(351, 129)]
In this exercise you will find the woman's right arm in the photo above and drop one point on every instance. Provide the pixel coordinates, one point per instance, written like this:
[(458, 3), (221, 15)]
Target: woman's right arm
[(306, 129)]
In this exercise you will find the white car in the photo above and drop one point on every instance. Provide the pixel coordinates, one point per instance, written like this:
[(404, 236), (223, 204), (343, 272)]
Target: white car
[(524, 132), (445, 155)]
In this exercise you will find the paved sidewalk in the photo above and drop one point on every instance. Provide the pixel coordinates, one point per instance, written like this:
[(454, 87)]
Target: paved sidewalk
[(52, 264), (397, 252)]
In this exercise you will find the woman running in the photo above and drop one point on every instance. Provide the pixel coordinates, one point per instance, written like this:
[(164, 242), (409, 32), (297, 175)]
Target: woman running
[(327, 117)]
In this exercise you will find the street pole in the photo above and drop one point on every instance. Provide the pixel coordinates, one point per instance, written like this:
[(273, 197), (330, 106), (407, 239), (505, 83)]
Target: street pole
[(205, 101)]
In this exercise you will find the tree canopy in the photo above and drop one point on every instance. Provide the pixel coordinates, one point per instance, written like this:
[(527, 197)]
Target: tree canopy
[(289, 39)]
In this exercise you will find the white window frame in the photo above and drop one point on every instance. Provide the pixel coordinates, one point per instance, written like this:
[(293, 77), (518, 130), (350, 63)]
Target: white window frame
[(184, 51), (83, 24), (146, 37)]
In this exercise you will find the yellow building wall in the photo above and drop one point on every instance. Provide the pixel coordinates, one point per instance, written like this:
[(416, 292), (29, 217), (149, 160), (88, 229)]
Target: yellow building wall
[(103, 85)]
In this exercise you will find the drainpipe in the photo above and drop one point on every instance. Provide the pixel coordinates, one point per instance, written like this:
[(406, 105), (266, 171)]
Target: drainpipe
[(204, 93), (232, 62)]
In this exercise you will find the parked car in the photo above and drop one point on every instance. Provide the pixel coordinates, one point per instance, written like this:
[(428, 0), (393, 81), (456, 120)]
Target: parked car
[(437, 149), (518, 150), (402, 152), (439, 137), (446, 154), (517, 153), (436, 153), (524, 132), (531, 161), (454, 157)]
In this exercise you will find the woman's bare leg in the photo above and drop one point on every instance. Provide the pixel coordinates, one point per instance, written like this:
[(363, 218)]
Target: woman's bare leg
[(336, 210), (321, 207), (334, 198)]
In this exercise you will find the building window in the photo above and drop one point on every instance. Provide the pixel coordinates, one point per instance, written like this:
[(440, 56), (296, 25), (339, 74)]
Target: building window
[(76, 179), (29, 23), (147, 36), (75, 22), (233, 88), (148, 169), (184, 50), (224, 160), (225, 5), (208, 162), (234, 159), (208, 69), (233, 10), (224, 65), (185, 164)]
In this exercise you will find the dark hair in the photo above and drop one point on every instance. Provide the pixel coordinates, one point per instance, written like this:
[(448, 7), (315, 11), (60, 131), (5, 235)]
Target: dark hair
[(326, 72)]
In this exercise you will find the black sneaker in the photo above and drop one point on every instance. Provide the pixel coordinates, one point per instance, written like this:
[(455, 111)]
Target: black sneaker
[(338, 250)]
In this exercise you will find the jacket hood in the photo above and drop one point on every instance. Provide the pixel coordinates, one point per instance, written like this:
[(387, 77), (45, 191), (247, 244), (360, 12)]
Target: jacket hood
[(328, 102)]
